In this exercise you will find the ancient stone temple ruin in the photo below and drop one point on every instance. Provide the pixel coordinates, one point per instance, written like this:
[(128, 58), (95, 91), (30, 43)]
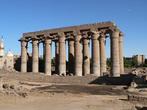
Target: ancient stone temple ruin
[(78, 39)]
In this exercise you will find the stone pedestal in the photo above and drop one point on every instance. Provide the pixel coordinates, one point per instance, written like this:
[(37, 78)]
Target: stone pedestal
[(95, 54), (23, 56), (78, 55), (103, 65), (35, 56), (71, 55), (121, 58), (62, 55), (86, 56), (115, 69), (48, 57)]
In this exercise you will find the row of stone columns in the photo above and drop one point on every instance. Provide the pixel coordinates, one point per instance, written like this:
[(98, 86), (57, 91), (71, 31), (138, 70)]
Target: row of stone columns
[(79, 54)]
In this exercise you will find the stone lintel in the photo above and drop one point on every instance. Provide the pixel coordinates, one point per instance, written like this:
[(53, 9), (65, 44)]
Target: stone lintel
[(103, 25)]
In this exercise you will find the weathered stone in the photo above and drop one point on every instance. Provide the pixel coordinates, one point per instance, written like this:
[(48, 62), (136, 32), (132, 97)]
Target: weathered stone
[(115, 66), (23, 56), (35, 56), (48, 57), (95, 54), (86, 57), (103, 65), (79, 55), (62, 55)]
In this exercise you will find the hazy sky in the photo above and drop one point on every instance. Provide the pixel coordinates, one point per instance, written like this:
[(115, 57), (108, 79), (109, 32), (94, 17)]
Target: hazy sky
[(19, 16)]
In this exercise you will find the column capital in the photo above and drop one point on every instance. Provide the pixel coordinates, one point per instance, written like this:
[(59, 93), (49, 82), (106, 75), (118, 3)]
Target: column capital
[(34, 38), (115, 34), (85, 41), (61, 37), (24, 43), (95, 35), (35, 42), (102, 36), (121, 34), (71, 38), (120, 38), (47, 40), (78, 37), (47, 37)]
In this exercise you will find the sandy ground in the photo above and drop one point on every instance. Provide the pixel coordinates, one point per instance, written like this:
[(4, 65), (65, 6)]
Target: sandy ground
[(65, 102), (49, 96), (64, 97)]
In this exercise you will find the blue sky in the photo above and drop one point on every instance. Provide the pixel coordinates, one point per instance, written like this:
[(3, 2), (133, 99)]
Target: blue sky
[(19, 16)]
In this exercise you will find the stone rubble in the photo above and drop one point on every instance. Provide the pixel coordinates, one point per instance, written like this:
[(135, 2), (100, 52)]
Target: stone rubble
[(10, 89)]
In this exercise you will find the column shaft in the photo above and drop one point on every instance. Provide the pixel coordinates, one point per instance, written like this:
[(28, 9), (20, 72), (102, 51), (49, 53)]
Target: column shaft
[(103, 65), (35, 55), (71, 55), (23, 56), (115, 69), (86, 57), (78, 55), (48, 57), (121, 54), (62, 56), (95, 54)]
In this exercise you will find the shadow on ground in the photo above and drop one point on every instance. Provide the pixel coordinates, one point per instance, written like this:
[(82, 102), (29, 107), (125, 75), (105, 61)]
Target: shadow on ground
[(122, 80), (86, 89)]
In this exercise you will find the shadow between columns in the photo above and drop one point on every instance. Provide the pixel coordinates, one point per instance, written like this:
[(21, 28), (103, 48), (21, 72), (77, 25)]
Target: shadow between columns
[(41, 65), (56, 65), (70, 65), (17, 64), (29, 63)]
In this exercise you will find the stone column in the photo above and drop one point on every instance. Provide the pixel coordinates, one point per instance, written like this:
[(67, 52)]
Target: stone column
[(23, 56), (56, 57), (35, 56), (71, 55), (95, 54), (115, 69), (48, 56), (78, 55), (86, 56), (121, 58), (62, 55), (103, 65)]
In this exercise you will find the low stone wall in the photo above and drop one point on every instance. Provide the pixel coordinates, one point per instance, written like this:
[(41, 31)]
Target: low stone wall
[(137, 98)]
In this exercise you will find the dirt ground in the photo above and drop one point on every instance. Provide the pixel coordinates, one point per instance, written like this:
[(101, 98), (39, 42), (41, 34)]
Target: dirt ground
[(16, 94)]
